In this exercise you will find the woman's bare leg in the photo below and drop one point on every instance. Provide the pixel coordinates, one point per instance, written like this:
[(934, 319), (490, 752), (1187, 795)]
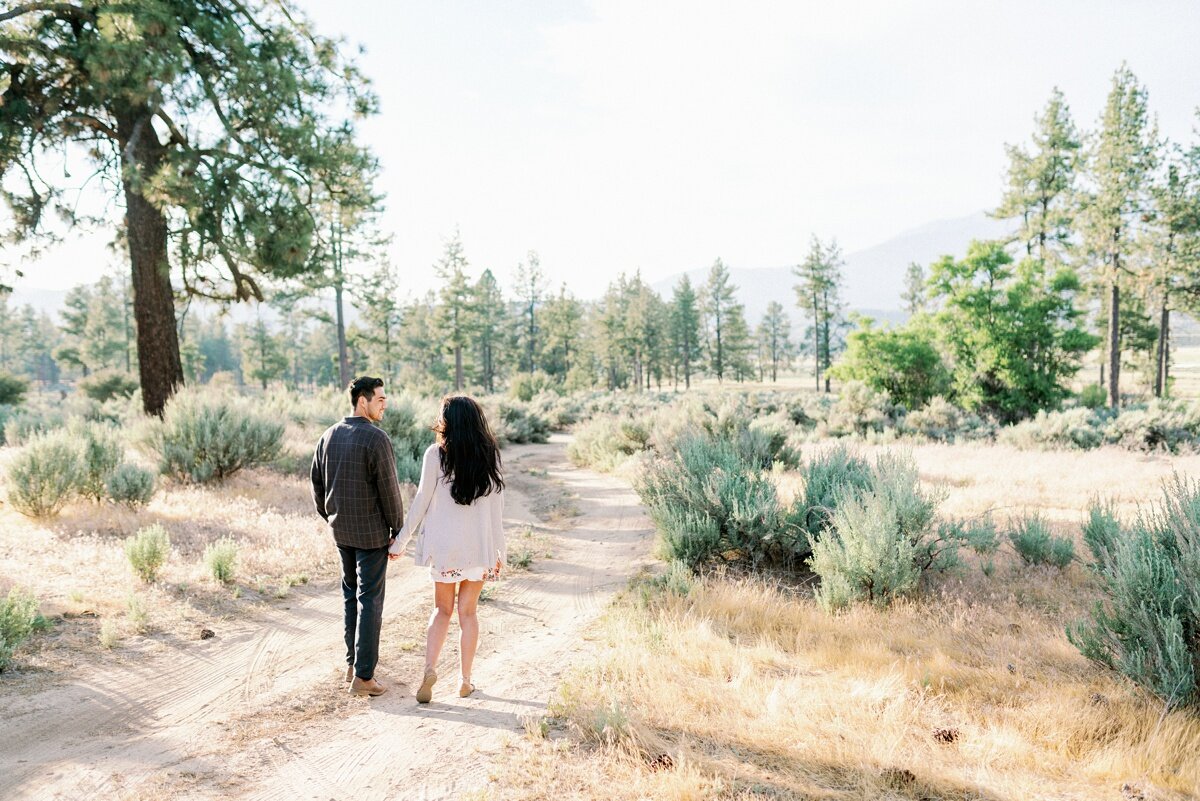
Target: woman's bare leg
[(468, 601), (439, 621)]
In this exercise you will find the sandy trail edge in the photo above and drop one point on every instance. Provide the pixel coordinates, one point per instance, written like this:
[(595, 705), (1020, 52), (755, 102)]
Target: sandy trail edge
[(191, 723)]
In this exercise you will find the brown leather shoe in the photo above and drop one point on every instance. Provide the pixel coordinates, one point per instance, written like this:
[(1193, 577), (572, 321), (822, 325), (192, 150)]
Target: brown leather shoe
[(368, 687), (349, 673)]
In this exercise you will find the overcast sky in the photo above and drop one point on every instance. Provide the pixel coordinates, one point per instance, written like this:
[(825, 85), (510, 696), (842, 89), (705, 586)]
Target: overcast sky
[(612, 136)]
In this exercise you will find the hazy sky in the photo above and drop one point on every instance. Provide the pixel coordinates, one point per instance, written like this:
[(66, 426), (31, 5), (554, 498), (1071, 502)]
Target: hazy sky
[(611, 136)]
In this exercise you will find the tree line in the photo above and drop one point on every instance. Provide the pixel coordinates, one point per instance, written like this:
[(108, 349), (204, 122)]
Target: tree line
[(470, 333), (226, 133), (1105, 247)]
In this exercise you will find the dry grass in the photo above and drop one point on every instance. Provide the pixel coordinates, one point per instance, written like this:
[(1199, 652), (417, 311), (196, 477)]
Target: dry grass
[(84, 579), (982, 478), (745, 689)]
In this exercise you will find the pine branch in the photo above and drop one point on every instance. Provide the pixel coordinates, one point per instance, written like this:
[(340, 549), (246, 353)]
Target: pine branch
[(64, 10)]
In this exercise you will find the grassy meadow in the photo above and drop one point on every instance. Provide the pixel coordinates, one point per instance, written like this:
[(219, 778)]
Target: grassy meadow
[(727, 681), (739, 686)]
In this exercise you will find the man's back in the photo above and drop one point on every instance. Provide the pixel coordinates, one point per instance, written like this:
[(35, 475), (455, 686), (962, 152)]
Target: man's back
[(354, 484)]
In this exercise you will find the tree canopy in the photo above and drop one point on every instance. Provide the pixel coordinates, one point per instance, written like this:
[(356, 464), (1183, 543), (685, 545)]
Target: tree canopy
[(222, 126)]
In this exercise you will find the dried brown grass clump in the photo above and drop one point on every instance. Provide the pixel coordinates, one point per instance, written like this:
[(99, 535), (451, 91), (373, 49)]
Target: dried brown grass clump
[(751, 691)]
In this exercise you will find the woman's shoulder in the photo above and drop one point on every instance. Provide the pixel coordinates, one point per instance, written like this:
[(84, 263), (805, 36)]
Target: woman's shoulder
[(431, 451)]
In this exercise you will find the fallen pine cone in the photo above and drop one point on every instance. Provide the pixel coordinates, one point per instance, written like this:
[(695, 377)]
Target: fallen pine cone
[(1131, 792), (207, 634), (945, 735), (899, 777), (662, 762)]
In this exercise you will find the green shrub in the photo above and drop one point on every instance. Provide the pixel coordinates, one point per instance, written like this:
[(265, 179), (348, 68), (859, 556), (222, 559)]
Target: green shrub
[(209, 438), (1160, 425), (18, 619), (901, 362), (23, 426), (101, 451), (220, 557), (606, 441), (131, 485), (779, 438), (1093, 396), (104, 385), (45, 475), (12, 389), (879, 538), (860, 410), (1101, 530), (1147, 627), (863, 556), (1072, 428), (147, 551), (941, 551), (559, 411), (516, 423), (1033, 542), (709, 502), (829, 477), (525, 385), (939, 420)]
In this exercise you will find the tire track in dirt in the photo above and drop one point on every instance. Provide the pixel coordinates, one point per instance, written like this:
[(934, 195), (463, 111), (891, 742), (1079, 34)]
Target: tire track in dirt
[(218, 710)]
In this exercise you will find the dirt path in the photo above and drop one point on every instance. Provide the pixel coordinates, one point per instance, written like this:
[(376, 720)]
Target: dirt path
[(259, 711)]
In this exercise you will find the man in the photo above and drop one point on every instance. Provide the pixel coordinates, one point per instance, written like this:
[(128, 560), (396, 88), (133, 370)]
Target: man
[(356, 491)]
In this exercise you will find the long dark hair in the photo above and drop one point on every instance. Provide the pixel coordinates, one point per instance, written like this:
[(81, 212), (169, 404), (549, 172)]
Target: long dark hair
[(468, 451)]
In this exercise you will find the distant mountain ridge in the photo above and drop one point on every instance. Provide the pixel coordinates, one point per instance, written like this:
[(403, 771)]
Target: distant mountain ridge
[(874, 277)]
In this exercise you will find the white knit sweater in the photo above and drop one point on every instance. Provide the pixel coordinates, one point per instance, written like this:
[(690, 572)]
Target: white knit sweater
[(452, 535)]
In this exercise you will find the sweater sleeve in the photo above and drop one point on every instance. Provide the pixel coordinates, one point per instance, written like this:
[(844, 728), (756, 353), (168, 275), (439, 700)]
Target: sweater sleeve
[(498, 528), (430, 468)]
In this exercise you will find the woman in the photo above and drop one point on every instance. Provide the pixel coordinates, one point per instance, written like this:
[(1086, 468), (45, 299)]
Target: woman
[(460, 501)]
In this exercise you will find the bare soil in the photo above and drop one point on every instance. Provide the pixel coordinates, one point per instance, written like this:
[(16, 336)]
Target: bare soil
[(259, 710)]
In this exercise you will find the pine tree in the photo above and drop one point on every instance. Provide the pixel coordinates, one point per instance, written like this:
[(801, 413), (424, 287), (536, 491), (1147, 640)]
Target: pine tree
[(490, 314), (74, 316), (818, 294), (562, 319), (914, 294), (213, 121), (263, 358), (1174, 244), (685, 322), (1120, 167), (718, 304), (1041, 183), (774, 336), (377, 299), (454, 311), (531, 287)]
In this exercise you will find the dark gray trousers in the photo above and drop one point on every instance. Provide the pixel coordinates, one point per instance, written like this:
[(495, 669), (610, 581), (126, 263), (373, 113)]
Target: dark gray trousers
[(364, 572)]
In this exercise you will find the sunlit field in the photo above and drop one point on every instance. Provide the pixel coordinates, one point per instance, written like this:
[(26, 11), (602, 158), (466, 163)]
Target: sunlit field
[(741, 687)]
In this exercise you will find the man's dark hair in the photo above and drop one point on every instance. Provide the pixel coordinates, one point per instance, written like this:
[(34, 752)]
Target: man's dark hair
[(363, 387)]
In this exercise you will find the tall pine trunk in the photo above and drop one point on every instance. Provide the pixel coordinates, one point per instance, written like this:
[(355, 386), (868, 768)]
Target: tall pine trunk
[(343, 354), (1114, 344), (160, 369), (1164, 331)]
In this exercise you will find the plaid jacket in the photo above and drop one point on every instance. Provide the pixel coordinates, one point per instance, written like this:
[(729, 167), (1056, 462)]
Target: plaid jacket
[(354, 484)]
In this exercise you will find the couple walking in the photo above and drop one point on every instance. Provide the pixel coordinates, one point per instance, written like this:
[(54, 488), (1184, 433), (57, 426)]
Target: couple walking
[(458, 507)]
